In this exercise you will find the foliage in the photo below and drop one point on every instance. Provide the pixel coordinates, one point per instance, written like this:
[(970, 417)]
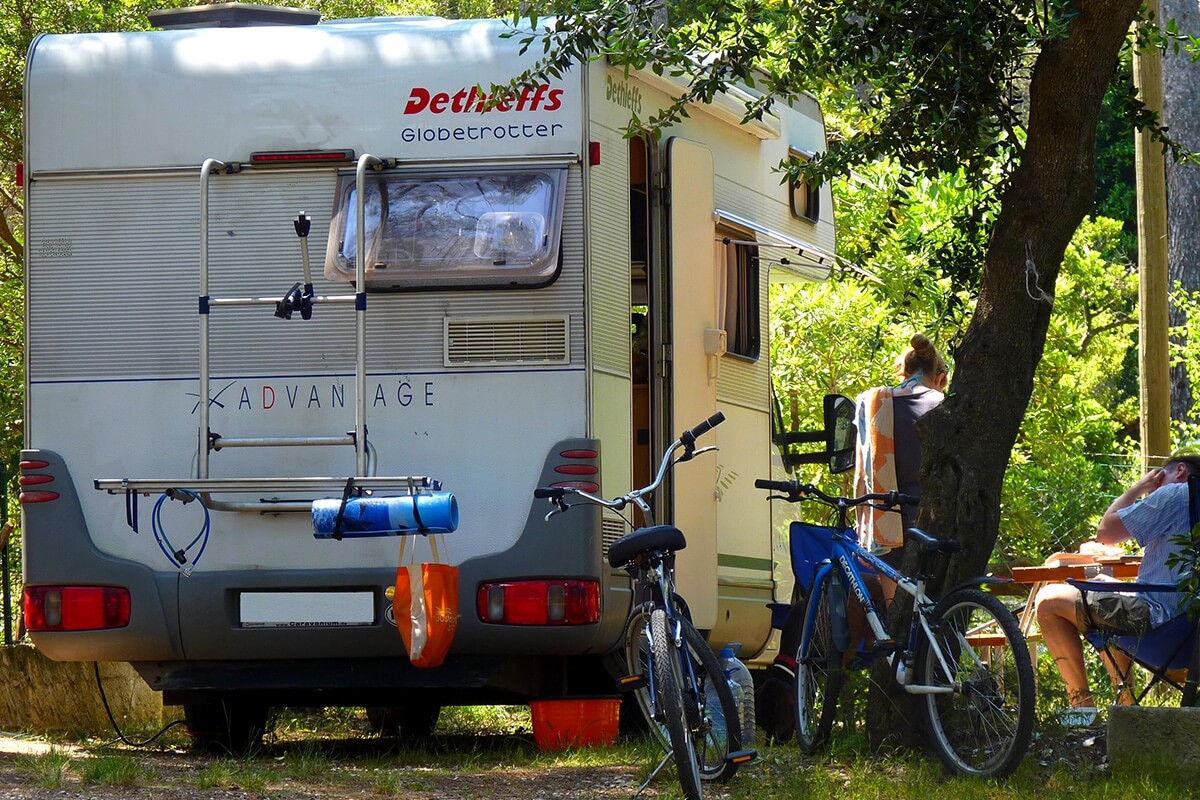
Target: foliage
[(1072, 455)]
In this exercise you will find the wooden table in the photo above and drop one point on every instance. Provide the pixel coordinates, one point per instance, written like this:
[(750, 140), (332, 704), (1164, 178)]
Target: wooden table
[(1037, 577)]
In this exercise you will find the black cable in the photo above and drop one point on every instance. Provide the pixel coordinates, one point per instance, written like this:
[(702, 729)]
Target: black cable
[(113, 721)]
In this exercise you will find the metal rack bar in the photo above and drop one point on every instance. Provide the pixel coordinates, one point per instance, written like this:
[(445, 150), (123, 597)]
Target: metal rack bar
[(266, 485), (220, 443)]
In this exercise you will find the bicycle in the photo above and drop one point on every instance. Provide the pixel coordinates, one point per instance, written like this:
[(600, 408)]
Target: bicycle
[(964, 655), (678, 683)]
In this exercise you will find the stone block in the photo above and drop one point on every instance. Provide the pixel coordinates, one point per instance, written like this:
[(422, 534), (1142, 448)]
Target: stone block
[(1145, 739), (43, 696)]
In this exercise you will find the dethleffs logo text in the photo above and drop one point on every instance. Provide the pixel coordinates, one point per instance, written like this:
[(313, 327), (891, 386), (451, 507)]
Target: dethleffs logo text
[(474, 100)]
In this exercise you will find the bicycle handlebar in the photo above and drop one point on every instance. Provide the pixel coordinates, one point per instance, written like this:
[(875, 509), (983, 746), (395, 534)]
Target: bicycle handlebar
[(794, 492), (686, 440), (689, 437)]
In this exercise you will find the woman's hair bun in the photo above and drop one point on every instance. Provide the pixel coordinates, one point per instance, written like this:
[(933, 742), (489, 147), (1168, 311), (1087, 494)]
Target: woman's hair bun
[(921, 345)]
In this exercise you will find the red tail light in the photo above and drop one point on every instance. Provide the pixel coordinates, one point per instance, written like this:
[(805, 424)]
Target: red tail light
[(541, 602), (29, 478), (577, 464), (76, 608)]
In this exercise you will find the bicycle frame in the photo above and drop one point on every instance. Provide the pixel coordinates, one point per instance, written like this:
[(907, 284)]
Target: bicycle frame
[(846, 556)]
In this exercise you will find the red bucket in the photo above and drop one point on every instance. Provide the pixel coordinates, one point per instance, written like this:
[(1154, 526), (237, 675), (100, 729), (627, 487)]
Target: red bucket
[(575, 722)]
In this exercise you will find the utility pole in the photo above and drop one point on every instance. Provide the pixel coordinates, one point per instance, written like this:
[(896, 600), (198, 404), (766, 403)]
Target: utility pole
[(1153, 356)]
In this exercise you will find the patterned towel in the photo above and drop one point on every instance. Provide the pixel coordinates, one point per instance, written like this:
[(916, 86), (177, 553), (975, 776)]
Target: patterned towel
[(875, 467)]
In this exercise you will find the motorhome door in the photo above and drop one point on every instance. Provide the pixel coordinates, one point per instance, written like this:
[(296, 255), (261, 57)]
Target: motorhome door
[(691, 272)]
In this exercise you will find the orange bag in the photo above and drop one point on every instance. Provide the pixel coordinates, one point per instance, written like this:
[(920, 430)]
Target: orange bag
[(426, 606)]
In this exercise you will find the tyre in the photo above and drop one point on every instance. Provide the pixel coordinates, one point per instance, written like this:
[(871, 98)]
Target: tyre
[(413, 720), (637, 660), (981, 727), (716, 725), (819, 673), (668, 703), (224, 726)]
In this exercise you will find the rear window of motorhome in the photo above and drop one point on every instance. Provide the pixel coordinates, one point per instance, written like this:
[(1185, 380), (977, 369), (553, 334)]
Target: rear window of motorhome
[(447, 230)]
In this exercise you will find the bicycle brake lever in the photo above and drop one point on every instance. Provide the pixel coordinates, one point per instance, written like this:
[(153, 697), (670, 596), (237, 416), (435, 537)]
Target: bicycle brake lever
[(559, 507)]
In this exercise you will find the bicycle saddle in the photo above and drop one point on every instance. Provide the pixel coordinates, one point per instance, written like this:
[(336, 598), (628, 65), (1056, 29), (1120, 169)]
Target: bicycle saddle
[(656, 537)]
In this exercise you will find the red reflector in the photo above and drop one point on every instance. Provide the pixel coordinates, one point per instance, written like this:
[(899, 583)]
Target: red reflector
[(579, 454), (20, 174), (594, 154), (587, 486), (576, 469), (300, 156), (545, 602), (37, 496), (34, 464), (76, 608), (34, 480)]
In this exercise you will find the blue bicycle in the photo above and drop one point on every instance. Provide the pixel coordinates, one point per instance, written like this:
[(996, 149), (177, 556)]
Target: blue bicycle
[(964, 656)]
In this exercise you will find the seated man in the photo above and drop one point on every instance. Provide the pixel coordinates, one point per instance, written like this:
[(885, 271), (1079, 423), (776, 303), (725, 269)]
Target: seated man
[(1152, 523)]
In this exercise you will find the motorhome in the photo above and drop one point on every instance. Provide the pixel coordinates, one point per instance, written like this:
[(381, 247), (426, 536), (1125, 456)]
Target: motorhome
[(502, 293)]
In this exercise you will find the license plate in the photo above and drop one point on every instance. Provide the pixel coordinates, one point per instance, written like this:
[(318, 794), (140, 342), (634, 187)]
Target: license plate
[(307, 609)]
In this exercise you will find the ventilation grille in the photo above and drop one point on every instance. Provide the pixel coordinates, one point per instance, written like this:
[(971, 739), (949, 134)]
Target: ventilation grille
[(509, 340), (611, 529)]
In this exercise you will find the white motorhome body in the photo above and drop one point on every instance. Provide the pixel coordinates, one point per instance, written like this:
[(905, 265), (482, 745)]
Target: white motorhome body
[(490, 349)]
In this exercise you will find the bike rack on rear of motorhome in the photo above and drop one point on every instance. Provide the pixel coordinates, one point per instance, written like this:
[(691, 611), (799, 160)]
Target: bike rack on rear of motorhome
[(205, 485)]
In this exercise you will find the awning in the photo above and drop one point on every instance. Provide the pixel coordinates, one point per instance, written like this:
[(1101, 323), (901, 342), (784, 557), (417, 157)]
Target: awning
[(787, 257)]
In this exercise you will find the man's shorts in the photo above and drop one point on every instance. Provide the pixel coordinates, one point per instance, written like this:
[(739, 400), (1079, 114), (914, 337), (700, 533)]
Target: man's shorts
[(1122, 612)]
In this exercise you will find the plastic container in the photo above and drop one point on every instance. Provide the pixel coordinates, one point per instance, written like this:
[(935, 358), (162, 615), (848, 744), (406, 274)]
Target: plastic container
[(386, 516), (575, 722), (741, 683)]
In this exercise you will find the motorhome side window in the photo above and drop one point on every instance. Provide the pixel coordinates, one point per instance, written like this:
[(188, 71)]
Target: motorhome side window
[(737, 255), (804, 197), (447, 230)]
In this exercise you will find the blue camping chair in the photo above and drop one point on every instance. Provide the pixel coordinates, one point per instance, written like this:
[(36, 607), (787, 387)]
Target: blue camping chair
[(1167, 652)]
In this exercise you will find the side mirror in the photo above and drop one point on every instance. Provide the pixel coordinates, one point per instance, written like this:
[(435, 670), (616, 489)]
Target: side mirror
[(837, 437), (840, 432)]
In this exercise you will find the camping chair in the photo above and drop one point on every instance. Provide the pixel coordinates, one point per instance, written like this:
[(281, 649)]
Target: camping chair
[(1168, 652)]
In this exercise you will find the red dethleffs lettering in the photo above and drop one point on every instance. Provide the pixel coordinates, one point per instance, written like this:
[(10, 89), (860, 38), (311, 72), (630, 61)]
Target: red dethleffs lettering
[(472, 100)]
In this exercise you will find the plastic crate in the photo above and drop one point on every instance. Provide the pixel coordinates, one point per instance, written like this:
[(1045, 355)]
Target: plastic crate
[(575, 722)]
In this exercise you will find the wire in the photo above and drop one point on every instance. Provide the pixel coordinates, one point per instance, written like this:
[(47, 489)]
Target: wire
[(107, 710), (178, 557)]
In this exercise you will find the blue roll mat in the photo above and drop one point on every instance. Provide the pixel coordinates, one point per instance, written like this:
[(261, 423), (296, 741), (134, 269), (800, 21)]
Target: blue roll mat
[(428, 512)]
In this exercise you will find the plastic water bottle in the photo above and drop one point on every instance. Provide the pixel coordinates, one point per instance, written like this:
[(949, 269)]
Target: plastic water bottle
[(741, 683)]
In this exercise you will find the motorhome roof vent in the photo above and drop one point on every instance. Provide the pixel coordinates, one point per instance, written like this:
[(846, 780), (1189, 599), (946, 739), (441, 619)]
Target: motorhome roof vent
[(231, 15)]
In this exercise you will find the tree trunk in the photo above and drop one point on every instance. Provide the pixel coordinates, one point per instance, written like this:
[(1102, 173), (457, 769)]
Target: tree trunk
[(967, 440), (1181, 115)]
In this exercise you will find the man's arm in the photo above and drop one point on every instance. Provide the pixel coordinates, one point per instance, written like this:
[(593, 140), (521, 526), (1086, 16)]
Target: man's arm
[(1111, 529)]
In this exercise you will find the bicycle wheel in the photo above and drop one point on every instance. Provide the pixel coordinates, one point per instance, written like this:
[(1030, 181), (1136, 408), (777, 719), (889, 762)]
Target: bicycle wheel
[(637, 660), (713, 716), (982, 726), (819, 674), (668, 703)]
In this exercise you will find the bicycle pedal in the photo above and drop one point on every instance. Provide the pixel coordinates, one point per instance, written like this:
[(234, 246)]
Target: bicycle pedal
[(741, 756), (885, 647), (631, 683)]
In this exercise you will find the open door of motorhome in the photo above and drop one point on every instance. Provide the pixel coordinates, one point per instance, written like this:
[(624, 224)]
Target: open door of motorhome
[(695, 352)]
